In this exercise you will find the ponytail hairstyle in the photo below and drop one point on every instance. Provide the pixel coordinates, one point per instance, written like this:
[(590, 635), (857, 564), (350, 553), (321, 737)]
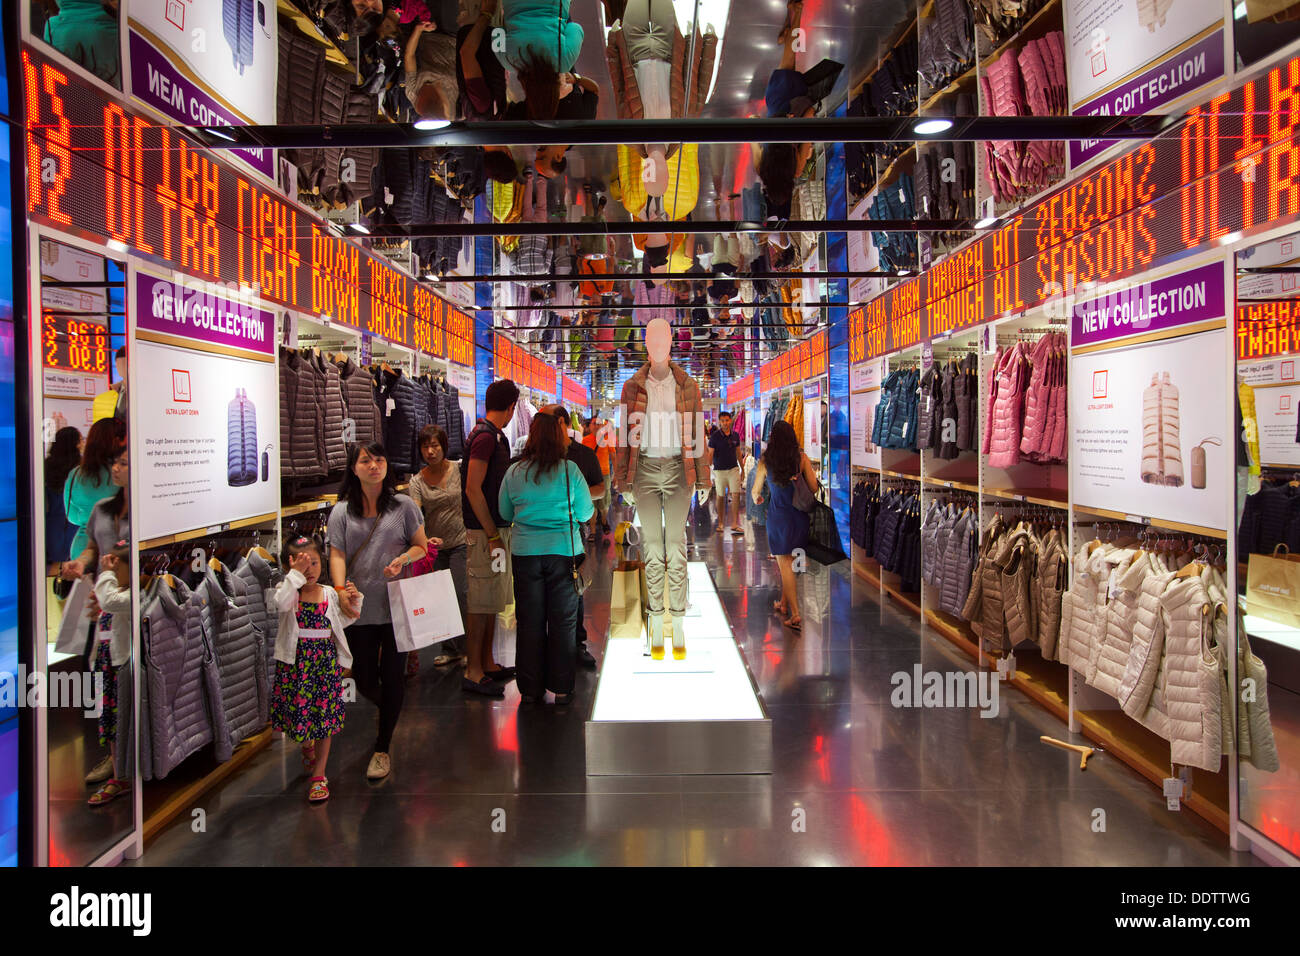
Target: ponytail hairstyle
[(300, 544), (541, 82)]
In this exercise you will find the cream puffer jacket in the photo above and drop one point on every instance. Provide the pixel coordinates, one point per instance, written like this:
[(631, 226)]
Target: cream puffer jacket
[(1172, 684), (1082, 607), (1126, 571)]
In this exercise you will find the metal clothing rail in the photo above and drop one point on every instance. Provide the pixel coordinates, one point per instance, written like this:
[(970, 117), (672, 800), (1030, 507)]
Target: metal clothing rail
[(660, 276), (663, 227), (830, 129)]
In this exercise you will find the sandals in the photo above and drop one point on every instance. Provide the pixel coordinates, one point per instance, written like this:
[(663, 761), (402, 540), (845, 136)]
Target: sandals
[(109, 792), (779, 607), (446, 660), (309, 755), (318, 791), (793, 18)]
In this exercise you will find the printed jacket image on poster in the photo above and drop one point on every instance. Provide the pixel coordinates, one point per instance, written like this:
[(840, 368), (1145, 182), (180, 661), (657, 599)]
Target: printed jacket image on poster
[(241, 441), (238, 18), (1162, 459)]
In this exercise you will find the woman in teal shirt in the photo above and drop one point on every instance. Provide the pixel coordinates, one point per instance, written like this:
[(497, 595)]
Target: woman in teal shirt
[(546, 497), (541, 44), (91, 482)]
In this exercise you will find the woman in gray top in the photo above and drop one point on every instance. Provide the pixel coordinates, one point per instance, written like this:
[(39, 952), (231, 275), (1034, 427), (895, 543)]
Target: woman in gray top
[(373, 534), (435, 489)]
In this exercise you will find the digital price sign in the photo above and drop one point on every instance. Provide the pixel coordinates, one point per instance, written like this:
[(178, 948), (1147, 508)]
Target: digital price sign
[(74, 345), (100, 170), (1268, 329), (1233, 165), (522, 367), (741, 390), (806, 360)]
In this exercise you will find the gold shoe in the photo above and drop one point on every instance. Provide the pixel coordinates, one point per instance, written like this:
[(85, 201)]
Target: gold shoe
[(679, 639), (102, 771), (379, 768), (656, 637)]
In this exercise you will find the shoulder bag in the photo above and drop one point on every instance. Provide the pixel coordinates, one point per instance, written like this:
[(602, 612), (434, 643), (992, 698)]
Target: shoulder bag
[(580, 584)]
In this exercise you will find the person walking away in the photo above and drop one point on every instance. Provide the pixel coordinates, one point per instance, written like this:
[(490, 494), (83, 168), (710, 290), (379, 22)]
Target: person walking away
[(544, 494), (62, 460), (91, 481), (487, 538), (435, 489), (726, 460), (589, 465), (598, 436), (373, 534), (784, 462), (311, 650)]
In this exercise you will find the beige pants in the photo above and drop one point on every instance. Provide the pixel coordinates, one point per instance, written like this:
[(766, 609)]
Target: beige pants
[(662, 501)]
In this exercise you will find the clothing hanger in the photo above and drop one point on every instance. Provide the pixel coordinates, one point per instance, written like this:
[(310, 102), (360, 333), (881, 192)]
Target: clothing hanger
[(214, 563)]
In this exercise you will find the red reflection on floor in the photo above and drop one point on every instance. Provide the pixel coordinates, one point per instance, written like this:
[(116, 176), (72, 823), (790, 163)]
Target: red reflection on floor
[(872, 837)]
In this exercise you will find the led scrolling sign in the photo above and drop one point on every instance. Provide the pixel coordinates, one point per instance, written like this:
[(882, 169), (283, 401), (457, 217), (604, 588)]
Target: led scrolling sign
[(94, 167), (806, 360), (1232, 166)]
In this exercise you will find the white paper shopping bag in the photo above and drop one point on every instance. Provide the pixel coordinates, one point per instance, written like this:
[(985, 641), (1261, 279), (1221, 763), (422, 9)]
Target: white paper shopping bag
[(72, 629), (425, 610)]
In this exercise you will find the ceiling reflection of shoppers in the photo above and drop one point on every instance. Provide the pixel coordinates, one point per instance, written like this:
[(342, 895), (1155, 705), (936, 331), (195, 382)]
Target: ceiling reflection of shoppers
[(542, 44)]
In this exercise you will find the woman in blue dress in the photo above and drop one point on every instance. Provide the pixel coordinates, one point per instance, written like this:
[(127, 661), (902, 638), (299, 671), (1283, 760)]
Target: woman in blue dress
[(783, 464)]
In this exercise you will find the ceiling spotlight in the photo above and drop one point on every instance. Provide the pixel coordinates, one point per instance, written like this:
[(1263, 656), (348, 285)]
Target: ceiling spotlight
[(359, 227), (429, 124), (986, 222), (904, 272), (929, 127)]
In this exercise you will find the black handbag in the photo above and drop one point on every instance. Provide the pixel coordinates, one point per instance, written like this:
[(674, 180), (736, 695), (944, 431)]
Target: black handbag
[(823, 535), (703, 517), (580, 584)]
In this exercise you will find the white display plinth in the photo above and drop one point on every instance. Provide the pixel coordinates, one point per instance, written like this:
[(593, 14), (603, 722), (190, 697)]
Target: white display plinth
[(700, 715)]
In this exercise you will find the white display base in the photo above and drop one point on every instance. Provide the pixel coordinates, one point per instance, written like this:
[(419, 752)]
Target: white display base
[(700, 715)]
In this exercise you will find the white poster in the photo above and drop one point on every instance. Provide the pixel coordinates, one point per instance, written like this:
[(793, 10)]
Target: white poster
[(1267, 285), (865, 375), (862, 411), (1276, 411), (1109, 40), (812, 423), (1141, 418), (199, 414)]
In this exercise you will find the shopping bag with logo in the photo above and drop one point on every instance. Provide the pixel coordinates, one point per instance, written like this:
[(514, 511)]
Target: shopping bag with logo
[(1273, 586), (425, 610), (72, 629)]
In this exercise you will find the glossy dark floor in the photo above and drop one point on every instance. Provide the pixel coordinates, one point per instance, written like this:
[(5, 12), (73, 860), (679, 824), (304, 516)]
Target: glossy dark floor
[(857, 781)]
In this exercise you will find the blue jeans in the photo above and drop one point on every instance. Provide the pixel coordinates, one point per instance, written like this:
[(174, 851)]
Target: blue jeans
[(546, 615)]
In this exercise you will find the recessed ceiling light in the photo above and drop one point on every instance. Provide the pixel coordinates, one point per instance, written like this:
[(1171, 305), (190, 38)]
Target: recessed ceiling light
[(428, 124), (359, 227), (928, 127), (986, 222)]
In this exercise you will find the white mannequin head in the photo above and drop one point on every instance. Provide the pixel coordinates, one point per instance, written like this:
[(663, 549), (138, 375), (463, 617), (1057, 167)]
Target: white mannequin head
[(658, 342)]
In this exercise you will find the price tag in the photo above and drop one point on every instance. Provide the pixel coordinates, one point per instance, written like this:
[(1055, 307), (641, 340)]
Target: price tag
[(388, 410), (1135, 519), (1173, 791)]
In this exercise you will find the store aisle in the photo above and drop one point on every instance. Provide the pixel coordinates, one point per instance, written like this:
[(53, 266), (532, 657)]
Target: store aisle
[(856, 781)]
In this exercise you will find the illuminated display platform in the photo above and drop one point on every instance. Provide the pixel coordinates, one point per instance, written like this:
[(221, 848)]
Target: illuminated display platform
[(701, 715)]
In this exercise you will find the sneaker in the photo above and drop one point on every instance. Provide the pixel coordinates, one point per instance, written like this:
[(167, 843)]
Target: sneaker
[(380, 767), (103, 770)]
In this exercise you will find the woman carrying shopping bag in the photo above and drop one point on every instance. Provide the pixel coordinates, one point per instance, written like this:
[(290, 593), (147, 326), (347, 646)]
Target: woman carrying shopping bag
[(546, 497), (373, 534)]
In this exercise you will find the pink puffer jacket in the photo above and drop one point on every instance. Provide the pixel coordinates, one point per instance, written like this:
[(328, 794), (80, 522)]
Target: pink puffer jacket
[(1036, 398), (1045, 400), (1006, 390)]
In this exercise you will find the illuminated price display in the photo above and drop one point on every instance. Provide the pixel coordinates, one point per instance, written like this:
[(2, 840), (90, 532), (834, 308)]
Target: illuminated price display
[(1233, 165), (74, 345), (574, 392), (741, 390), (101, 170), (519, 366), (1267, 329)]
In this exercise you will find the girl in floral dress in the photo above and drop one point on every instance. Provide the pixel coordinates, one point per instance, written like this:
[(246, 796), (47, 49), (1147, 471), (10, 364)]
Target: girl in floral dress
[(310, 652)]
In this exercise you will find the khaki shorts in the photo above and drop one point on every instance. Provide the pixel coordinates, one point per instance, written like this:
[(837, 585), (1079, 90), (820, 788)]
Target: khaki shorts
[(490, 589), (729, 480)]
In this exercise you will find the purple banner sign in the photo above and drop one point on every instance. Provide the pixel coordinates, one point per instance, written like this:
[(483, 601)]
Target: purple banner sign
[(1182, 299), (194, 312), (157, 82), (1177, 76)]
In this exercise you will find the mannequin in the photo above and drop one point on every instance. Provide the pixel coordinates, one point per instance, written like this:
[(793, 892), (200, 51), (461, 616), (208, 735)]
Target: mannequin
[(660, 459)]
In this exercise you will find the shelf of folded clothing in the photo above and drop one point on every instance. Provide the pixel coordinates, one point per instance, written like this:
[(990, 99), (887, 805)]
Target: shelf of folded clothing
[(965, 81), (304, 23), (1047, 18), (1046, 497), (225, 526), (945, 483)]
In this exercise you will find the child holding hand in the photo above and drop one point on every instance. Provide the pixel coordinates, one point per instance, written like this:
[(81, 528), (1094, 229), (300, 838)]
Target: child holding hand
[(112, 650), (310, 652)]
